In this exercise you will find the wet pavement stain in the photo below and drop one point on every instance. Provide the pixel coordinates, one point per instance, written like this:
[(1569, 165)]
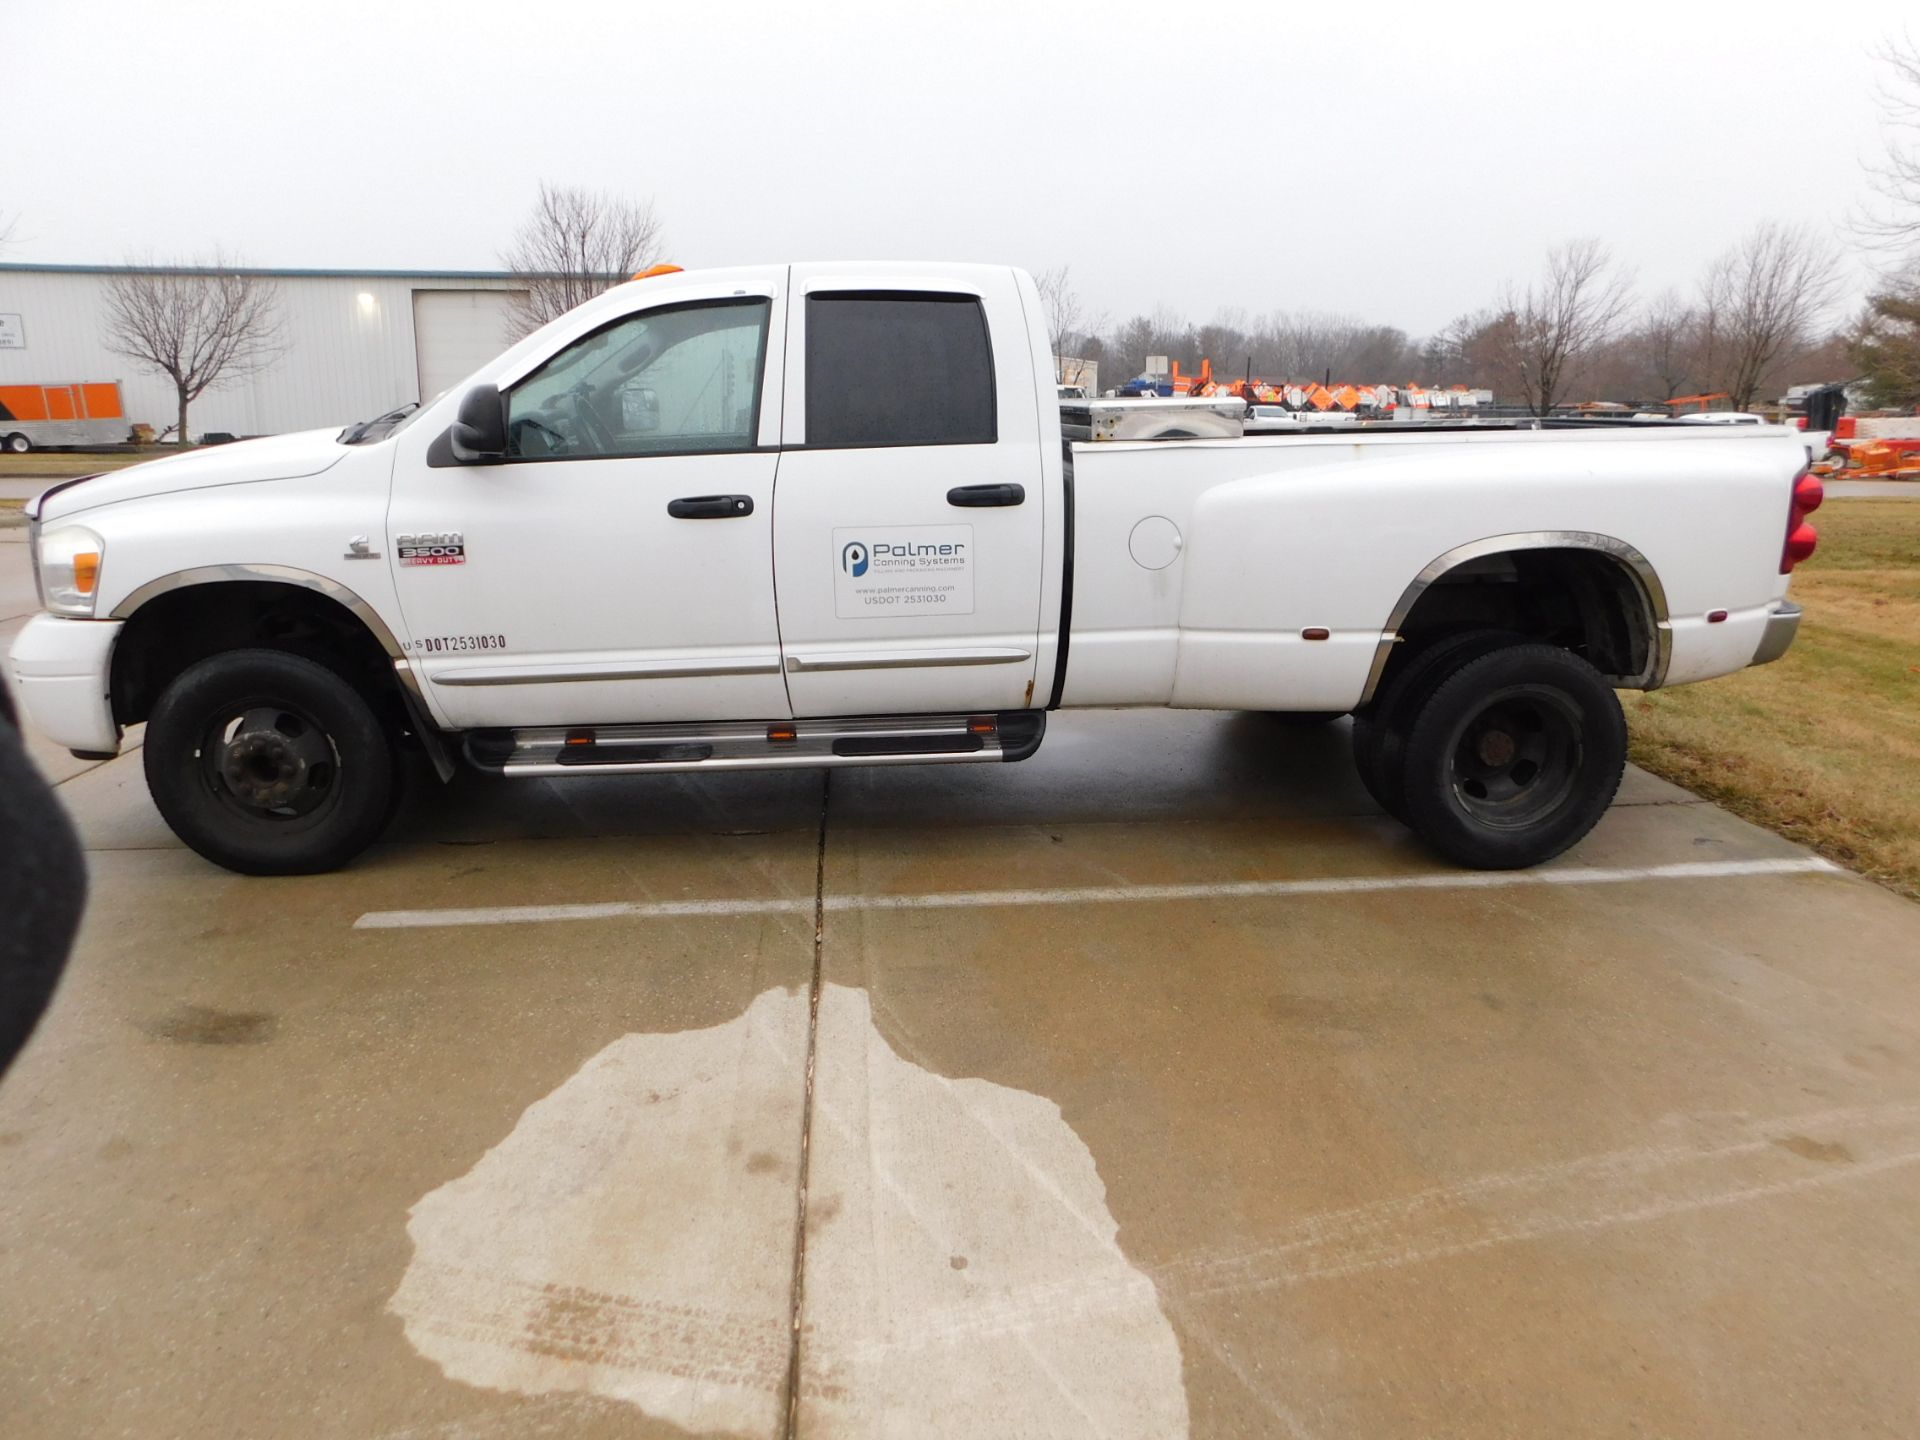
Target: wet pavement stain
[(1034, 1324), (1808, 1148), (204, 1025)]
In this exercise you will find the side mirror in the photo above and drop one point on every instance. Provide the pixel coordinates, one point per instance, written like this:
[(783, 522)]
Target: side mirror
[(480, 430)]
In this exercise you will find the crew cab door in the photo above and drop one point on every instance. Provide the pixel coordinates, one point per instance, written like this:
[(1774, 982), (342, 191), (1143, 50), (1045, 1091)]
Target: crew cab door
[(616, 565), (908, 534)]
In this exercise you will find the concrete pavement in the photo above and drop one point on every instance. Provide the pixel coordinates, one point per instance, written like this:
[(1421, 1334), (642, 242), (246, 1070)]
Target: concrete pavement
[(1156, 1086)]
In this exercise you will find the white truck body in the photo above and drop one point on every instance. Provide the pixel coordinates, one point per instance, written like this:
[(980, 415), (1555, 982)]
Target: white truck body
[(852, 577)]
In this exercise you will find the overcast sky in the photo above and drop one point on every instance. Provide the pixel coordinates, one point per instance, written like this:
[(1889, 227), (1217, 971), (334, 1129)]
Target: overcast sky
[(1388, 161)]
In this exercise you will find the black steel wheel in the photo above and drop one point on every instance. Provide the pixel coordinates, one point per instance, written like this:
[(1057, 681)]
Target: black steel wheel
[(1514, 757), (1380, 730), (269, 763)]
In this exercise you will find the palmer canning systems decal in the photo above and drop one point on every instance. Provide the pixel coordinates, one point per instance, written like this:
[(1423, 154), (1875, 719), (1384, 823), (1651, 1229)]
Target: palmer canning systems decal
[(903, 570)]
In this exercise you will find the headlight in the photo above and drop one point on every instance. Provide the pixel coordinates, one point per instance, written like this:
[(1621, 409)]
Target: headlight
[(69, 570)]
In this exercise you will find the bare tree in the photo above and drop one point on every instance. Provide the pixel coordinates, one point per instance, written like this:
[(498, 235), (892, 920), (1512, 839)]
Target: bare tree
[(1476, 348), (8, 224), (1665, 349), (574, 245), (1072, 332), (1761, 303), (1543, 334), (203, 324), (1894, 226)]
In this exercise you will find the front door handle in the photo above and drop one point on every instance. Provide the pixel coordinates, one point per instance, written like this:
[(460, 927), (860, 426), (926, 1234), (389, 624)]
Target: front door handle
[(710, 507), (980, 496)]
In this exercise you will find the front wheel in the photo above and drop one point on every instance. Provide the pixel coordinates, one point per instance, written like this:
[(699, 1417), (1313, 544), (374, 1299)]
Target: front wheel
[(1514, 757), (19, 444), (269, 764)]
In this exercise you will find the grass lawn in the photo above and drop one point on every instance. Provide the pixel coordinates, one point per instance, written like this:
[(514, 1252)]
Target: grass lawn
[(77, 462), (1824, 744)]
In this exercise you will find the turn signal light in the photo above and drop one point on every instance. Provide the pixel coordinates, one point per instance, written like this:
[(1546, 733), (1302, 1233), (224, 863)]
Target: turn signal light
[(86, 571), (1802, 538), (782, 732), (1800, 546), (981, 725)]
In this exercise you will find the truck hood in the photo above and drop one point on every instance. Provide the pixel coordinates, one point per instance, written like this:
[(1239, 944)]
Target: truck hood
[(278, 457)]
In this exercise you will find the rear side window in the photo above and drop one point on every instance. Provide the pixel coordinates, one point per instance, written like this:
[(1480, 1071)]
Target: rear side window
[(898, 369)]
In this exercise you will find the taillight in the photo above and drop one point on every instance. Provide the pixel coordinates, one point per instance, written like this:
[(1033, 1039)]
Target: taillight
[(1808, 492)]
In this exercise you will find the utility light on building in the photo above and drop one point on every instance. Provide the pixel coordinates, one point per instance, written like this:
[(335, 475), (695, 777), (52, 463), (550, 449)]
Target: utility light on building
[(369, 303)]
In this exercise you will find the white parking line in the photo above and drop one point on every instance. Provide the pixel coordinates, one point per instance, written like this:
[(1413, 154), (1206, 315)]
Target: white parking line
[(1094, 894)]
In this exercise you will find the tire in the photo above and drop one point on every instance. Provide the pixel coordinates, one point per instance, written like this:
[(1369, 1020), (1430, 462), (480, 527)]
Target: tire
[(1514, 757), (1379, 731), (19, 444), (270, 764)]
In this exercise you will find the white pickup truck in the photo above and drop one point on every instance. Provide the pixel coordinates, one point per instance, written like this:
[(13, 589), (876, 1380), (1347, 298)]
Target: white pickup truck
[(819, 515)]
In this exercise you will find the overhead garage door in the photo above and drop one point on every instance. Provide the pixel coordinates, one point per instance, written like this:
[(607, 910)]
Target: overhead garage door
[(455, 332)]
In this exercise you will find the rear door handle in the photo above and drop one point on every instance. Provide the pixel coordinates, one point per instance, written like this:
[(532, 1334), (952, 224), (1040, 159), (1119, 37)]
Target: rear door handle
[(710, 507), (980, 496)]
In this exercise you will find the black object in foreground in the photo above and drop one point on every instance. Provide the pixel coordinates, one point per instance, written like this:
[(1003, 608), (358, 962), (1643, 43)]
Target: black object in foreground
[(43, 887)]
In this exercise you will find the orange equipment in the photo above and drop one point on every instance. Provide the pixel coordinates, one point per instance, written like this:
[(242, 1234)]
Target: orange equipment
[(1695, 404), (1193, 384)]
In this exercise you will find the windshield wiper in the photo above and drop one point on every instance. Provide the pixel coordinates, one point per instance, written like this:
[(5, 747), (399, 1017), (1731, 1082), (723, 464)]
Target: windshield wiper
[(377, 428)]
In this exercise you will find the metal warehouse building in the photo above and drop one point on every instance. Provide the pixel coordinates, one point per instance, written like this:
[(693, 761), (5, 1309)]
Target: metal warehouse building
[(358, 342)]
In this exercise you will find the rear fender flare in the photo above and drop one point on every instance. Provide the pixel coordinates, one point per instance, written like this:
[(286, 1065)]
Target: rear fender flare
[(1653, 595)]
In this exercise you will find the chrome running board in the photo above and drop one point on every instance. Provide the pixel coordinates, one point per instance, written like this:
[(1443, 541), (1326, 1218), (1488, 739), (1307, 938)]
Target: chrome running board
[(758, 744)]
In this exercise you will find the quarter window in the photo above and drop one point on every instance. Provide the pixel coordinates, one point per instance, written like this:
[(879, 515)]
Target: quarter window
[(898, 369), (675, 381)]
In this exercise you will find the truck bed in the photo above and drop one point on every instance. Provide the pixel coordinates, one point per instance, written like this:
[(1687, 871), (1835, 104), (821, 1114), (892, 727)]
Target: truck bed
[(1210, 558)]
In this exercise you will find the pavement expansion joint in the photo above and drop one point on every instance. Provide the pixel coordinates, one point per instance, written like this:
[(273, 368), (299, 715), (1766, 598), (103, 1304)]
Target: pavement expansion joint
[(806, 1114)]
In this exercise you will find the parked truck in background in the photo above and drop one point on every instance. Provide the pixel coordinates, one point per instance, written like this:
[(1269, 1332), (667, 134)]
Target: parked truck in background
[(822, 515)]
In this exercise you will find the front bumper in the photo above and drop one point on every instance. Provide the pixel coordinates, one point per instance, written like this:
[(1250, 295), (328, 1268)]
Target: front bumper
[(1782, 625), (61, 671)]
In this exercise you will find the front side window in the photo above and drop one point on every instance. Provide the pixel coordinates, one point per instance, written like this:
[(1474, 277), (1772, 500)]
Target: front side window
[(677, 381), (898, 369)]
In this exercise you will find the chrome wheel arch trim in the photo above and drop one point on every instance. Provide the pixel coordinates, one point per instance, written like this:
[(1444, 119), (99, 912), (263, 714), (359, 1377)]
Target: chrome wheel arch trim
[(319, 584), (280, 574), (1652, 593)]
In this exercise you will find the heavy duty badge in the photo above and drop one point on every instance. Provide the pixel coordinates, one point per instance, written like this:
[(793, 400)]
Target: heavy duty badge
[(449, 548)]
